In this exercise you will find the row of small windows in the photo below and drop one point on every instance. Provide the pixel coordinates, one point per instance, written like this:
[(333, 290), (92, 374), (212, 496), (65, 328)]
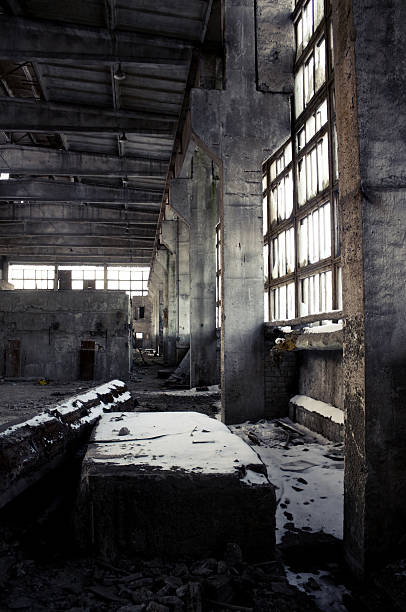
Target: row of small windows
[(130, 279)]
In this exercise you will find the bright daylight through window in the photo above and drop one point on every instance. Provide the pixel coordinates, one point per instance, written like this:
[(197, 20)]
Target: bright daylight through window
[(300, 183)]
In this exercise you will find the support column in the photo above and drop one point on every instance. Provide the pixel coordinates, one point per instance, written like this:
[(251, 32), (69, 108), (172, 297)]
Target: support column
[(161, 267), (203, 221), (370, 80), (168, 238), (179, 197), (183, 291), (241, 126)]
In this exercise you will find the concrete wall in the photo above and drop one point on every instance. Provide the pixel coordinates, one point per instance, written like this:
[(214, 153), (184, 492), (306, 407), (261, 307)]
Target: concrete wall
[(51, 325), (321, 376), (143, 325)]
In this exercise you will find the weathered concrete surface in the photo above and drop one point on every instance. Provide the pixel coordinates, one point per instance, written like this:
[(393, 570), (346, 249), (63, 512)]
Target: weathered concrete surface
[(173, 484), (144, 324), (315, 420), (50, 326), (275, 52), (321, 376), (204, 216), (369, 41), (31, 449), (241, 126)]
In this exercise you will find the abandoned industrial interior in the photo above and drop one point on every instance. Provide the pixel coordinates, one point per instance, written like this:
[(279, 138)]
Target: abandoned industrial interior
[(202, 305)]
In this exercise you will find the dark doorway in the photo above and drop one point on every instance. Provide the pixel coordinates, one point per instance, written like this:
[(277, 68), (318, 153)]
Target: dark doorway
[(13, 353), (87, 352)]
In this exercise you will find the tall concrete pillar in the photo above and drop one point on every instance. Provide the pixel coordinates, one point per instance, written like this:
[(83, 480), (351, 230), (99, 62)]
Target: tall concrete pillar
[(202, 258), (179, 198), (169, 239), (370, 80), (183, 286), (240, 126)]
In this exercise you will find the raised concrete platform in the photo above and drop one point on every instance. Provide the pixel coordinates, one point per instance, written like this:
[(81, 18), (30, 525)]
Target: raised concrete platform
[(173, 484), (30, 449), (318, 416)]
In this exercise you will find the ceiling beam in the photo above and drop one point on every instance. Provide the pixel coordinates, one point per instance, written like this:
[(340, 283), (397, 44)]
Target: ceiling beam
[(53, 191), (27, 115), (46, 41), (41, 161), (74, 259), (73, 222), (86, 244), (83, 230)]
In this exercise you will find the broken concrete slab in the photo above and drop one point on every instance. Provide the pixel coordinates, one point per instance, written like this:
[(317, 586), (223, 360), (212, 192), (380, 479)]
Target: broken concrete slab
[(178, 484), (32, 448)]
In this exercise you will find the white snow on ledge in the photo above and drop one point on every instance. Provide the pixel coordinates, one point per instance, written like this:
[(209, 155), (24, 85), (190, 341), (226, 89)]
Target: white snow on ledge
[(326, 410), (323, 329)]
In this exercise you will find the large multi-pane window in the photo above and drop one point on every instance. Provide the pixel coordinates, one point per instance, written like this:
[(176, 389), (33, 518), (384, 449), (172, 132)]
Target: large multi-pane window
[(300, 183), (31, 277), (84, 277), (133, 280)]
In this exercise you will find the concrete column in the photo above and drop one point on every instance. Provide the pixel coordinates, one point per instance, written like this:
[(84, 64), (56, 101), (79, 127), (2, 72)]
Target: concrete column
[(371, 124), (161, 268), (241, 126), (169, 239), (158, 279), (183, 293), (202, 259), (180, 196)]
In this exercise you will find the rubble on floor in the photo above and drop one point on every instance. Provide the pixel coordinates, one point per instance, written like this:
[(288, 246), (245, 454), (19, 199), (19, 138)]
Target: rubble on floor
[(209, 585)]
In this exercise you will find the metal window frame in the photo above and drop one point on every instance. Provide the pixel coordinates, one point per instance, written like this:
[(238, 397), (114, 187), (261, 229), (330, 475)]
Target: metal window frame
[(328, 194)]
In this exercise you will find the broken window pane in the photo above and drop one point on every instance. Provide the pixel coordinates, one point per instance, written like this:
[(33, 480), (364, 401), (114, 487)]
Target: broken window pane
[(309, 79), (318, 9), (320, 64), (266, 263), (301, 179), (290, 250), (299, 92), (282, 254), (299, 36), (307, 22), (288, 195)]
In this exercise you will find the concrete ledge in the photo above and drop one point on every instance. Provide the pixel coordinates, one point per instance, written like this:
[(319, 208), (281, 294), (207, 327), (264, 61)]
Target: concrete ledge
[(31, 449), (322, 338), (173, 484), (318, 416)]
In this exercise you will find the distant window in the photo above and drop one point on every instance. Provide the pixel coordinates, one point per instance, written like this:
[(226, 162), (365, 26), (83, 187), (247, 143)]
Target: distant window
[(141, 312), (130, 279), (85, 277), (139, 335), (31, 276)]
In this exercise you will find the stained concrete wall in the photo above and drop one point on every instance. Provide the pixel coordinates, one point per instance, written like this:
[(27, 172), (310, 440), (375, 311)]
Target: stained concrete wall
[(143, 325), (321, 376), (51, 325), (370, 74)]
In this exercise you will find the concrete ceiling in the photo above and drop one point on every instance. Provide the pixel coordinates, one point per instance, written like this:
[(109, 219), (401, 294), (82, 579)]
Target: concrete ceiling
[(92, 100)]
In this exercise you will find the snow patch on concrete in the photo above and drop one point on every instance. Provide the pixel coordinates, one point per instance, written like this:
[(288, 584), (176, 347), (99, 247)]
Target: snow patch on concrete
[(313, 405)]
